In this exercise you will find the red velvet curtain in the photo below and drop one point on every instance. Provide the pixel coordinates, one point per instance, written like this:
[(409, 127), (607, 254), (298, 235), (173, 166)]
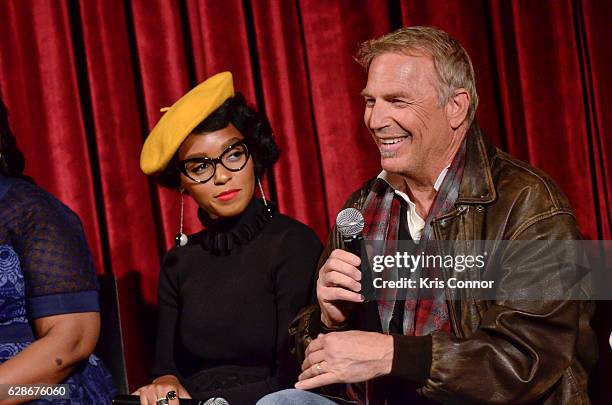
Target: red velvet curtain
[(84, 81)]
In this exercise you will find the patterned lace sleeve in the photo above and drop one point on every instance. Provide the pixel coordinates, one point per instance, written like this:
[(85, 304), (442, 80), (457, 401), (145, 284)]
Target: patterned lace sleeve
[(56, 261)]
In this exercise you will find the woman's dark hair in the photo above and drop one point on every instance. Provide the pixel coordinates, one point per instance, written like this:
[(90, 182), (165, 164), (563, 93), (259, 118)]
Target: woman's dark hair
[(12, 161), (252, 125)]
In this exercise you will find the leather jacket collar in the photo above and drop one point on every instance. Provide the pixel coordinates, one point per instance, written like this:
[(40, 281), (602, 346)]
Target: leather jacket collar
[(477, 183)]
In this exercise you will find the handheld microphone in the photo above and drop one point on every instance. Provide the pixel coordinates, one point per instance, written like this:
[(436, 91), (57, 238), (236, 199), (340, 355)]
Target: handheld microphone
[(216, 401), (350, 223)]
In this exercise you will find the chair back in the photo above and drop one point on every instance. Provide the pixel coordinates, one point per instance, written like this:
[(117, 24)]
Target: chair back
[(110, 344)]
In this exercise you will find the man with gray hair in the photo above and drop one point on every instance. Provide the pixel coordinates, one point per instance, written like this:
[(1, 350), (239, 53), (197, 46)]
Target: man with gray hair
[(441, 180)]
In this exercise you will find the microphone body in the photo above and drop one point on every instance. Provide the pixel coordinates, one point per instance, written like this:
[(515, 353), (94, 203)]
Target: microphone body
[(350, 223)]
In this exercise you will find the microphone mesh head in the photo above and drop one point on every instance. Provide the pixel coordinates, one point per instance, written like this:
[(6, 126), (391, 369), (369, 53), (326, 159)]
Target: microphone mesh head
[(215, 401), (349, 222)]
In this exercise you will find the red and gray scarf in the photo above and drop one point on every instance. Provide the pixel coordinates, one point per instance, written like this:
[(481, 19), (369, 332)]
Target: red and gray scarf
[(422, 315)]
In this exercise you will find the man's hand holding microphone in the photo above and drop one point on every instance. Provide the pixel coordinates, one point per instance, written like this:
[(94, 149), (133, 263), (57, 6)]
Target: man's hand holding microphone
[(351, 356)]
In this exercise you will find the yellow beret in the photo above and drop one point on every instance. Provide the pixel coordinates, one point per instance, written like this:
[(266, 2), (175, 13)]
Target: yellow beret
[(180, 119)]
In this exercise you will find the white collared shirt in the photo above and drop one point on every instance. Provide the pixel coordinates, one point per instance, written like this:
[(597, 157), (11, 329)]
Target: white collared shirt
[(416, 224)]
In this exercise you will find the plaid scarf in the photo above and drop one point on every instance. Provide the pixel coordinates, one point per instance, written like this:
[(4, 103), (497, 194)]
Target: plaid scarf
[(422, 314)]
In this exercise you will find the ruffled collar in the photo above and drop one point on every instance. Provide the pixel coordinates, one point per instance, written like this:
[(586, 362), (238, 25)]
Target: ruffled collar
[(223, 235)]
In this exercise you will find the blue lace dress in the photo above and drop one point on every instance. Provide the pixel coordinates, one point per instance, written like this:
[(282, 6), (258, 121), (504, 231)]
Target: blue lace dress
[(45, 270)]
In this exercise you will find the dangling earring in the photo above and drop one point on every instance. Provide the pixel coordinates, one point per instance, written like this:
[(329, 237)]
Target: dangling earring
[(181, 239), (263, 196), (261, 191)]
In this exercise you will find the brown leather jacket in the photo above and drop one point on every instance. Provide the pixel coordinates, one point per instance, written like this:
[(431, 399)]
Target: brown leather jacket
[(503, 352)]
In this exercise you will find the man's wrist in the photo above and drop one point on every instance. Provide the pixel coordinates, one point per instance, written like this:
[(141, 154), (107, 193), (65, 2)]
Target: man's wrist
[(328, 326), (386, 362), (317, 324), (325, 321)]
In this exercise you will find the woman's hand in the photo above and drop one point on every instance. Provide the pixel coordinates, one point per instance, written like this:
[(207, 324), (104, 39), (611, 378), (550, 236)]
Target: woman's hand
[(159, 388)]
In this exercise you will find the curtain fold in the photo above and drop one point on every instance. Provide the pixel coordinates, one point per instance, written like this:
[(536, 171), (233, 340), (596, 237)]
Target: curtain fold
[(84, 82), (332, 31), (40, 89), (553, 111), (285, 86), (597, 59), (129, 213)]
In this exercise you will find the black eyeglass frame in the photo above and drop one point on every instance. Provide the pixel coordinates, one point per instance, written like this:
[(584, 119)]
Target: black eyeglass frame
[(182, 164)]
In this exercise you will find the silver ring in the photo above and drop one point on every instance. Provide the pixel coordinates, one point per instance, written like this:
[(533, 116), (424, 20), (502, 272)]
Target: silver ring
[(171, 395), (319, 368), (162, 401)]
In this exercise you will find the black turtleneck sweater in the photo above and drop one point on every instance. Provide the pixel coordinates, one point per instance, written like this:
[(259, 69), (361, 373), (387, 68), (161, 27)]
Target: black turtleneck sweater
[(226, 300)]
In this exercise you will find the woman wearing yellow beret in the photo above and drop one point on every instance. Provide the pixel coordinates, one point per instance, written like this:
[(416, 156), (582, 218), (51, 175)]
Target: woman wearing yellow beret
[(226, 294)]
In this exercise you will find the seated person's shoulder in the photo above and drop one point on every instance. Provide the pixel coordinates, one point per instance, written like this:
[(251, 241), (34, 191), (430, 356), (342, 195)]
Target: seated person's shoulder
[(357, 197), (292, 231), (32, 207), (526, 185)]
